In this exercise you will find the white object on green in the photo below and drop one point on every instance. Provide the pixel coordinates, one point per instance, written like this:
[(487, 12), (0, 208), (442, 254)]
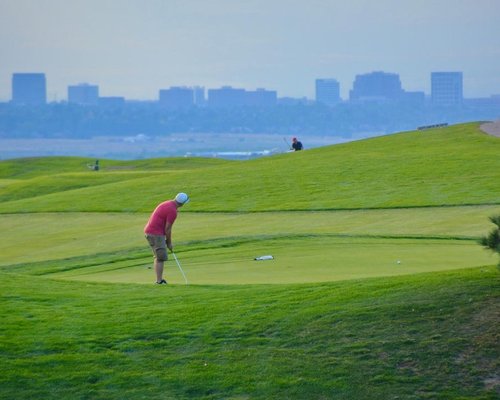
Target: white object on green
[(262, 258)]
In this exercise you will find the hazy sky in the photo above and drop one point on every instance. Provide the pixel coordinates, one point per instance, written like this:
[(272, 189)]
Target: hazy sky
[(133, 48)]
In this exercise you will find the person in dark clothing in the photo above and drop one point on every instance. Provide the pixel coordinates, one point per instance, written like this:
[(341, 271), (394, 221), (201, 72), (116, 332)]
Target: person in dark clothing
[(296, 145), (94, 167)]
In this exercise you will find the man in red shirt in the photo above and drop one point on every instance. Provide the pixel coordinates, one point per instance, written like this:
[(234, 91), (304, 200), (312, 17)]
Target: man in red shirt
[(158, 231)]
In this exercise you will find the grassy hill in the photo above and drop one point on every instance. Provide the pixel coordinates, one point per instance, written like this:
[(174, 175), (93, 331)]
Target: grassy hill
[(420, 337), (452, 166), (41, 166), (378, 289)]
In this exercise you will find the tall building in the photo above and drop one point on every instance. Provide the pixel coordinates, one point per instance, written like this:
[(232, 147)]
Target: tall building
[(328, 91), (84, 94), (177, 97), (29, 88), (446, 88), (376, 85)]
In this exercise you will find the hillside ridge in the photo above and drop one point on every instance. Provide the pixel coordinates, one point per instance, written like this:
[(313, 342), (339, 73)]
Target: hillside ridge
[(456, 165)]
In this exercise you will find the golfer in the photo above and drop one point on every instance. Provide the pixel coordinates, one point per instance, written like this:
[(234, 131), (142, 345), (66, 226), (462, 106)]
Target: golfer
[(296, 145), (158, 231)]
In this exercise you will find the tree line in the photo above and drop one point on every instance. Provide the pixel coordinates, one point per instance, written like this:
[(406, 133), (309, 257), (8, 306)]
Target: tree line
[(63, 120)]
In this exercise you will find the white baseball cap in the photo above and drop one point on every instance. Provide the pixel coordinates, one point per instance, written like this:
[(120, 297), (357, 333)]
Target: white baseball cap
[(182, 198)]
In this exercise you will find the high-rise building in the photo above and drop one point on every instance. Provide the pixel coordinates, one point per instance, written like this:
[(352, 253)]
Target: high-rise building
[(376, 85), (29, 88), (328, 91), (177, 97), (446, 88), (84, 94)]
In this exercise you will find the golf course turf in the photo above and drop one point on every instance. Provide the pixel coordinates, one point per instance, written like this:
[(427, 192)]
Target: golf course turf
[(378, 288)]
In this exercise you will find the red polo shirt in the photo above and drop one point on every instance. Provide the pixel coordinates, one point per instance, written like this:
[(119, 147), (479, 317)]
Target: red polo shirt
[(163, 213)]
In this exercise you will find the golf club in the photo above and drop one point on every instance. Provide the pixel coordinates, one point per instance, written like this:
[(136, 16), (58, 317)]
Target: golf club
[(288, 144), (180, 268)]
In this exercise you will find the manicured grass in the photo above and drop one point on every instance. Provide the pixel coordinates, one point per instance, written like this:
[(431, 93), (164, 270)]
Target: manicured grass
[(25, 168), (333, 316), (56, 236), (42, 185), (458, 165), (412, 337), (296, 260)]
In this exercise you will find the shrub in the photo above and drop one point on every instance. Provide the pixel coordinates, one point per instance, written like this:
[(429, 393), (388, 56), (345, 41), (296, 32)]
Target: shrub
[(492, 241)]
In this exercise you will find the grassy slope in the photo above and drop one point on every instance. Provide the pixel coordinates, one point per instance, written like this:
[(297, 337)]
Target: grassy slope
[(40, 166), (447, 166), (413, 337), (419, 337)]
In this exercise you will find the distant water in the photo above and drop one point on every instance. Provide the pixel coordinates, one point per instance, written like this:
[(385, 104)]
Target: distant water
[(224, 145)]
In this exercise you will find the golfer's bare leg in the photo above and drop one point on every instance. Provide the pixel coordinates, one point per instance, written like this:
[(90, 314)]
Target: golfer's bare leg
[(159, 270)]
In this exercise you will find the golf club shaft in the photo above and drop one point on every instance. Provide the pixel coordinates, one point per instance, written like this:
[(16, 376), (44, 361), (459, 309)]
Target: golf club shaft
[(180, 268)]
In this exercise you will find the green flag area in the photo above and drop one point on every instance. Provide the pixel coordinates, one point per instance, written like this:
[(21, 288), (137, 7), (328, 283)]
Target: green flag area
[(373, 284)]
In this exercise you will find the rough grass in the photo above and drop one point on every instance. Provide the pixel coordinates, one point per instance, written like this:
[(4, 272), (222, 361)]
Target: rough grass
[(424, 336)]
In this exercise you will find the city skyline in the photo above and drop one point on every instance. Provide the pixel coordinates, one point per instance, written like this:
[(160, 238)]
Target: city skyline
[(375, 84), (133, 48)]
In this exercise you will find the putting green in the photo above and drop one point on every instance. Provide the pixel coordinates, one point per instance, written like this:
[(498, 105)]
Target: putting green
[(299, 260), (54, 236), (220, 247)]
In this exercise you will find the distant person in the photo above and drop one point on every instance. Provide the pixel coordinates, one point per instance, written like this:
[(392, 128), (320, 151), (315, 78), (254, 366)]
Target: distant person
[(94, 167), (158, 231), (296, 144)]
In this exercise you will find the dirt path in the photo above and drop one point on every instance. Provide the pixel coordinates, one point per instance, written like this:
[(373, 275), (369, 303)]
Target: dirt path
[(491, 128)]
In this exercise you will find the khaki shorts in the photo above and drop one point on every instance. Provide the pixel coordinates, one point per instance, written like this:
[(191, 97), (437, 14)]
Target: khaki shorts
[(159, 246)]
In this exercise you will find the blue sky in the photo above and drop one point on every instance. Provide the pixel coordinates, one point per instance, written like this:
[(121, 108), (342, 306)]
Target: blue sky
[(133, 48)]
